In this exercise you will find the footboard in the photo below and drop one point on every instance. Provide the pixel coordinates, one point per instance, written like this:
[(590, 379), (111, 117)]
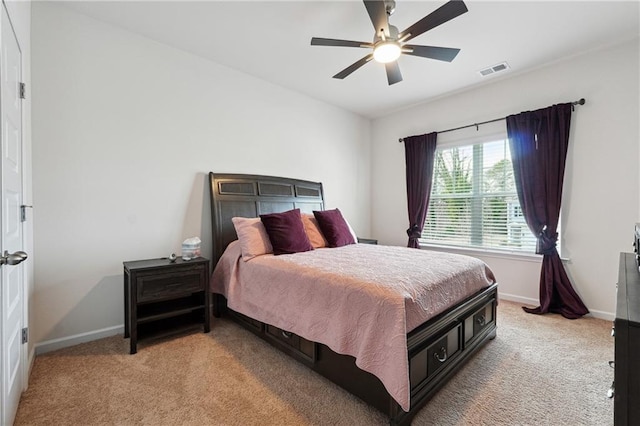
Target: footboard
[(436, 351)]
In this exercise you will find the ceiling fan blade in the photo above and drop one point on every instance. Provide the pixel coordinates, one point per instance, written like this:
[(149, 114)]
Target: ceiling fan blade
[(393, 72), (351, 68), (378, 14), (446, 54), (317, 41), (444, 13)]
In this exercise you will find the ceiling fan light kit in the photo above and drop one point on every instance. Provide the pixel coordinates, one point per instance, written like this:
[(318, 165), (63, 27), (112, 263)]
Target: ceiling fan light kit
[(388, 44), (386, 52)]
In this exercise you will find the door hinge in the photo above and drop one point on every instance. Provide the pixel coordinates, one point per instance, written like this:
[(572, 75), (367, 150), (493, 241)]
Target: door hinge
[(23, 89), (23, 212), (25, 335)]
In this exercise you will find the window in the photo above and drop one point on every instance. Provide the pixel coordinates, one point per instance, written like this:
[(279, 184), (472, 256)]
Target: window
[(474, 201)]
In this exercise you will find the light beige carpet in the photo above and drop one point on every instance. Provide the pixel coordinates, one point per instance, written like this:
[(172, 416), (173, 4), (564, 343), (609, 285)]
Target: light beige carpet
[(540, 370)]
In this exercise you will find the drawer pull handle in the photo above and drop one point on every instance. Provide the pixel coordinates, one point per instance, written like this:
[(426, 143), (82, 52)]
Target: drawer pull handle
[(286, 335), (442, 358), (480, 320)]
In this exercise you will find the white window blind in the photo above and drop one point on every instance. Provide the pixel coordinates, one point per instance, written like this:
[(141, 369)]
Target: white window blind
[(474, 201)]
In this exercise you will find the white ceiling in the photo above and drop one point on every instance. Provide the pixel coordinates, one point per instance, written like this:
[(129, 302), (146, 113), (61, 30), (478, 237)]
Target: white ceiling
[(271, 40)]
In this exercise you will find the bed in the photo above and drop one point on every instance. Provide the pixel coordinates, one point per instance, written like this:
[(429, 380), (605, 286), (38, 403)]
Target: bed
[(420, 337)]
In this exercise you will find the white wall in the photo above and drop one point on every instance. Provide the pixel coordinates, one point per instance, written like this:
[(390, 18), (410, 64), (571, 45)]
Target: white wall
[(125, 131), (601, 190)]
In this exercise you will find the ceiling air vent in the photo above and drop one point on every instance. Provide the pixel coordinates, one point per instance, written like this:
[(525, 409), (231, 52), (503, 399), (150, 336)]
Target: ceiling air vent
[(494, 69)]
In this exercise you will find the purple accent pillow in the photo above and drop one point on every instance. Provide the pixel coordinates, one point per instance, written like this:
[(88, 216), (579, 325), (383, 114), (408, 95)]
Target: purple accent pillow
[(286, 232), (334, 227)]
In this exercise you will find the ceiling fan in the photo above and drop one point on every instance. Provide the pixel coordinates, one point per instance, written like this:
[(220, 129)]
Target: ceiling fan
[(388, 44)]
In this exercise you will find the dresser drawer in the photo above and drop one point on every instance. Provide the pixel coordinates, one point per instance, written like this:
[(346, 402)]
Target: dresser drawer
[(302, 346), (157, 285), (427, 362), (475, 323)]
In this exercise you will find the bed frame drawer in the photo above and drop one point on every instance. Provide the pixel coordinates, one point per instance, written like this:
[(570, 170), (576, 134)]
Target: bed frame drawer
[(479, 321), (251, 323), (430, 360), (301, 346)]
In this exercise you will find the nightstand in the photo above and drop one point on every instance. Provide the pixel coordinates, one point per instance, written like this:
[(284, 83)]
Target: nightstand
[(160, 295), (367, 241)]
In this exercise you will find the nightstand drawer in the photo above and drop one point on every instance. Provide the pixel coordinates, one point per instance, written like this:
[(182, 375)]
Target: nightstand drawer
[(154, 286), (367, 241)]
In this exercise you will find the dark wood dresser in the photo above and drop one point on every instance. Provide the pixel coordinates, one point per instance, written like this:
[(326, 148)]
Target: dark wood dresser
[(627, 343)]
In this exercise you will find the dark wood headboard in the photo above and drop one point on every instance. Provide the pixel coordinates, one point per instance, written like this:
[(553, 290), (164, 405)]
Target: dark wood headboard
[(252, 195)]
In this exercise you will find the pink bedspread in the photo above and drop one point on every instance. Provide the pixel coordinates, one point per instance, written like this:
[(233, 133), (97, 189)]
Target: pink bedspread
[(360, 300)]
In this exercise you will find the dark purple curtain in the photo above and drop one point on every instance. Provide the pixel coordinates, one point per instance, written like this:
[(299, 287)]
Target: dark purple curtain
[(419, 156), (538, 142)]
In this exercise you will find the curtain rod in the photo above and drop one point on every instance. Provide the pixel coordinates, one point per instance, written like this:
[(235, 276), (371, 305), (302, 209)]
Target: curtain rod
[(579, 102)]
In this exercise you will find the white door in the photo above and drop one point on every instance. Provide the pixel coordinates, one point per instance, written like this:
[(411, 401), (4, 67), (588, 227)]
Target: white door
[(12, 275)]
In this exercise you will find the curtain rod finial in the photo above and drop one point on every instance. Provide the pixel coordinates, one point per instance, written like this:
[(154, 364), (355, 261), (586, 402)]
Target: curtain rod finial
[(581, 101)]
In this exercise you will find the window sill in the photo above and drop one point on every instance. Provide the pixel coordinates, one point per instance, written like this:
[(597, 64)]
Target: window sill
[(524, 257)]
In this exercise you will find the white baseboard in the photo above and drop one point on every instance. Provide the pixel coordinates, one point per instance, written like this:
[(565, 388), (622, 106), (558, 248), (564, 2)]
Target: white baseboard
[(534, 302), (63, 342), (602, 315), (519, 299)]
